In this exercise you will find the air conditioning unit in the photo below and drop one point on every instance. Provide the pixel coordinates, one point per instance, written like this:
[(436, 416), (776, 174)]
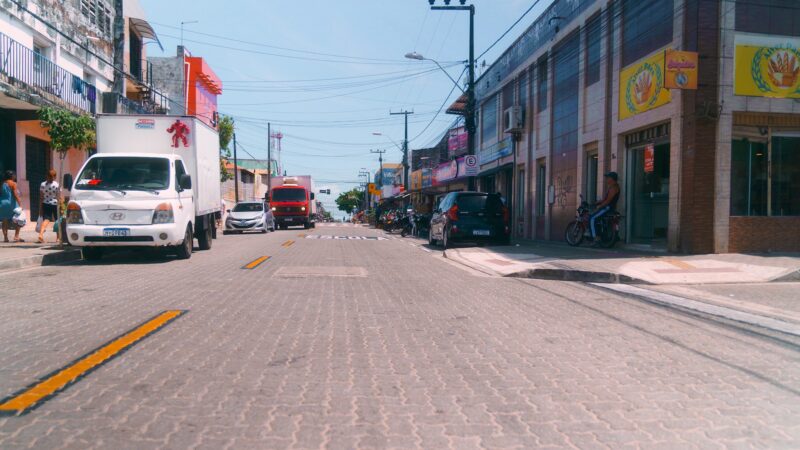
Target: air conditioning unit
[(513, 122)]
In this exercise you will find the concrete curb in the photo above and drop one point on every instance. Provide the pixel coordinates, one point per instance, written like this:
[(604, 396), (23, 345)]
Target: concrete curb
[(41, 260), (554, 273), (788, 278)]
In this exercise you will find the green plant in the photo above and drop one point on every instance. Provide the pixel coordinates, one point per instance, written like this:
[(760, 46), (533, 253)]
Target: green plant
[(67, 131), (348, 202), (226, 130)]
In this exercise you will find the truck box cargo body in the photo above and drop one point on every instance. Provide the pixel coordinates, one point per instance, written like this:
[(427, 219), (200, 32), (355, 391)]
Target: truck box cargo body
[(292, 201), (154, 182)]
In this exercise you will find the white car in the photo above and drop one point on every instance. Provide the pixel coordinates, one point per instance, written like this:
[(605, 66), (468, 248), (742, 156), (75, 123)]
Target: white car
[(249, 216)]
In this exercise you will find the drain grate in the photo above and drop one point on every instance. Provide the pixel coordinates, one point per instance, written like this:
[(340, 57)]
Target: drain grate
[(320, 271)]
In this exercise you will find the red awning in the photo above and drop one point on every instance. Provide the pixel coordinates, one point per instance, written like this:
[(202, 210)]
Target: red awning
[(459, 107)]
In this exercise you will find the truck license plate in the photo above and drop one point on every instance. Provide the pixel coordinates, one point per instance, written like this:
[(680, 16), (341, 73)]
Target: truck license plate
[(480, 232), (116, 232)]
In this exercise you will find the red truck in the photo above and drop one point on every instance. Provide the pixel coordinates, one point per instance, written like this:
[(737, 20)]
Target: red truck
[(292, 201)]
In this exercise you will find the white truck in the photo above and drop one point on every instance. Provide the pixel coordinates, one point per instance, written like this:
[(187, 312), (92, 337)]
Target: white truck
[(154, 182)]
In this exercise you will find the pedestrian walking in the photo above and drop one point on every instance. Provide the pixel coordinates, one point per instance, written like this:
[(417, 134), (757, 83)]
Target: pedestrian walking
[(9, 201), (49, 201)]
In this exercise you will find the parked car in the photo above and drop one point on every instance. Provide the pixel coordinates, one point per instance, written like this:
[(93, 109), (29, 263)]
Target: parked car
[(470, 216), (249, 216)]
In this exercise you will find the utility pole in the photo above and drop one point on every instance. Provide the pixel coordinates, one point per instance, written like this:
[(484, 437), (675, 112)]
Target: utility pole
[(380, 161), (119, 48), (405, 146), (269, 158), (235, 171), (469, 117)]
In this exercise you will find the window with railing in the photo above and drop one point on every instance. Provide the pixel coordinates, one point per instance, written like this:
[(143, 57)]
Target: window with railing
[(31, 68)]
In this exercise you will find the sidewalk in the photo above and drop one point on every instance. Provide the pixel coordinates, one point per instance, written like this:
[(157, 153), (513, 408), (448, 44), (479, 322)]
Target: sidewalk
[(30, 253), (556, 261)]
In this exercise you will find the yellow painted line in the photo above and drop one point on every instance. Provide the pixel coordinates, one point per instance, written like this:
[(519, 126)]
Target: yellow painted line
[(288, 243), (59, 380), (256, 263), (302, 235), (680, 264)]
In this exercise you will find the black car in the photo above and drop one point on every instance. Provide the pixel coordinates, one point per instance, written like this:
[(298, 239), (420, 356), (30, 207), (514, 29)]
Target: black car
[(470, 216)]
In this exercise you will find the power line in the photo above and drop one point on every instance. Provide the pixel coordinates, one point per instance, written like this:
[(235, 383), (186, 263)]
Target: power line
[(509, 29)]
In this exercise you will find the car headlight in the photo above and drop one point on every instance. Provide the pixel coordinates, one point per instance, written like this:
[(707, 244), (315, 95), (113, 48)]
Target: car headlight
[(302, 208), (163, 214)]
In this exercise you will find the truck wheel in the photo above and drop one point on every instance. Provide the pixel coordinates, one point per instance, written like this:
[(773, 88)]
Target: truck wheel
[(184, 249), (306, 226), (92, 253), (205, 238)]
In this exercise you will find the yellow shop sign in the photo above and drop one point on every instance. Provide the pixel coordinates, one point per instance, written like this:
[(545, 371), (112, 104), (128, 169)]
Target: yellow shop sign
[(767, 66), (641, 86)]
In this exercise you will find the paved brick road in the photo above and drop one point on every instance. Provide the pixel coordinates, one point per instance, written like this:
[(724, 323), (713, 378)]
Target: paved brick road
[(416, 354)]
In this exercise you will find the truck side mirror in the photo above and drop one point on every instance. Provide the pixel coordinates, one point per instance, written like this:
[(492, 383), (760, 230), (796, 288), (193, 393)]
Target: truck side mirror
[(312, 196), (67, 181), (185, 182)]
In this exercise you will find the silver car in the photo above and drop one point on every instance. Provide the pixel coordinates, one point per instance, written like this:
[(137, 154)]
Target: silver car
[(249, 216)]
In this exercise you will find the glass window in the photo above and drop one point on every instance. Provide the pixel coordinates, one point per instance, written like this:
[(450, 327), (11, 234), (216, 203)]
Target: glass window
[(180, 170), (593, 41), (591, 177), (785, 175), (646, 27), (124, 173), (765, 174), (522, 91), (489, 121), (780, 17), (248, 207), (541, 189), (541, 83), (288, 195)]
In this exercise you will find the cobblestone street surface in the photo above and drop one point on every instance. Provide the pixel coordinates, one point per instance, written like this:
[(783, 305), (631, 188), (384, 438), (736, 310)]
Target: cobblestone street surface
[(364, 343)]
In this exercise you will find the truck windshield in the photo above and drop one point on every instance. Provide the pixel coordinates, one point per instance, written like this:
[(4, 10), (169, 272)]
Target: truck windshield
[(289, 195), (125, 173)]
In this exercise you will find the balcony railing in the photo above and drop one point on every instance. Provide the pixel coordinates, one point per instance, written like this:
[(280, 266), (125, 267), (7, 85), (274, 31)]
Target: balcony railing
[(44, 77)]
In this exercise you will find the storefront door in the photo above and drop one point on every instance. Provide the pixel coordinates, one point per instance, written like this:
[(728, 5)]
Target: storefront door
[(648, 194), (38, 162)]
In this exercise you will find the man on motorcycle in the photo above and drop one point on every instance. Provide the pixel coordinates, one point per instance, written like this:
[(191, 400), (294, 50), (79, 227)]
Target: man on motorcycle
[(608, 204)]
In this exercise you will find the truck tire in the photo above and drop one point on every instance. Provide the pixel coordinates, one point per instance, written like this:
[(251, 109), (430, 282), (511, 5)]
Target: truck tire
[(205, 237), (184, 249), (92, 253), (306, 225)]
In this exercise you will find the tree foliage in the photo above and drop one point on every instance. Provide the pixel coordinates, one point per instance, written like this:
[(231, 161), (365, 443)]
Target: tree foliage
[(68, 130), (226, 130), (349, 201)]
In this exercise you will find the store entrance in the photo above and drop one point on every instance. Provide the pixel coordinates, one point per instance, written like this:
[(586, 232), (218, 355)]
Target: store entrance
[(648, 194)]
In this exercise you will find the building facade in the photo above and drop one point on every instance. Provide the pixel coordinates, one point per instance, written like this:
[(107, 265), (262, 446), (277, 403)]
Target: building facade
[(60, 54), (711, 169)]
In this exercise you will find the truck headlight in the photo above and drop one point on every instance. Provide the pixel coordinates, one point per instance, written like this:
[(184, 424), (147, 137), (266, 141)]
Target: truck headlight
[(274, 208), (163, 214), (74, 215), (302, 208)]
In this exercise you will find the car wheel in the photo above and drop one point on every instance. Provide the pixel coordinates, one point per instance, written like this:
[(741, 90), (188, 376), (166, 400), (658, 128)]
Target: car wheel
[(185, 247)]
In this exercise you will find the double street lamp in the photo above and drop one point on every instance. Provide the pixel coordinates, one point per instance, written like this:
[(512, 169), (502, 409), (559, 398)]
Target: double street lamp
[(469, 116)]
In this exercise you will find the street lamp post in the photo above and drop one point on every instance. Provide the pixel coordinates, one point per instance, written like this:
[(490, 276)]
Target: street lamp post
[(469, 116)]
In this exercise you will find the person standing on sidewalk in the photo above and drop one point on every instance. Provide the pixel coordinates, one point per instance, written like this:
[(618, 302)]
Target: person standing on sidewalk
[(49, 199), (9, 201), (607, 205)]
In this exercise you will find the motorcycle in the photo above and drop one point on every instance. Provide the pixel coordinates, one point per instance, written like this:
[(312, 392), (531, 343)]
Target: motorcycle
[(607, 227)]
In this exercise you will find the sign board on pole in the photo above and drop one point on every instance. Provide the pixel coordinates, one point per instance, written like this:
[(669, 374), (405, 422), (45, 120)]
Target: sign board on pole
[(681, 69), (649, 158)]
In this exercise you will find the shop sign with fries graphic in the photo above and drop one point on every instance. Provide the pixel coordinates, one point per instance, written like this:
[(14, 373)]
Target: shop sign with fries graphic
[(767, 66), (641, 86)]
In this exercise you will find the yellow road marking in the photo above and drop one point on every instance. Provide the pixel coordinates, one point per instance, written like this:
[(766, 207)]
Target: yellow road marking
[(256, 263), (679, 264), (302, 235), (288, 243), (61, 379)]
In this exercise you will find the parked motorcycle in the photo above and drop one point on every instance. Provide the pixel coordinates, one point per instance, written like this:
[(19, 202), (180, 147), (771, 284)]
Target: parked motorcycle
[(607, 227)]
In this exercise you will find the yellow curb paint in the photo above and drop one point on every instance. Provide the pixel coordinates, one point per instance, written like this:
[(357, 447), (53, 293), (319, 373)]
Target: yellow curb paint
[(680, 264), (256, 263), (288, 243), (42, 390)]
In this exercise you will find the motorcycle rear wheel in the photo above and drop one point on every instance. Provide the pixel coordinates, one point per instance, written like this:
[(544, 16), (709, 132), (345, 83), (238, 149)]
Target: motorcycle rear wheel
[(574, 233)]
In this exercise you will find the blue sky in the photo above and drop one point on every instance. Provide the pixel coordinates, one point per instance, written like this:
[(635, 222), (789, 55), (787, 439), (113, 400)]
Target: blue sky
[(352, 51)]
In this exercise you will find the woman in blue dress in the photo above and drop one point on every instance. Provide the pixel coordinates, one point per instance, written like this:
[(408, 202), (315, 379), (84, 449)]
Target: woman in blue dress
[(9, 201)]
